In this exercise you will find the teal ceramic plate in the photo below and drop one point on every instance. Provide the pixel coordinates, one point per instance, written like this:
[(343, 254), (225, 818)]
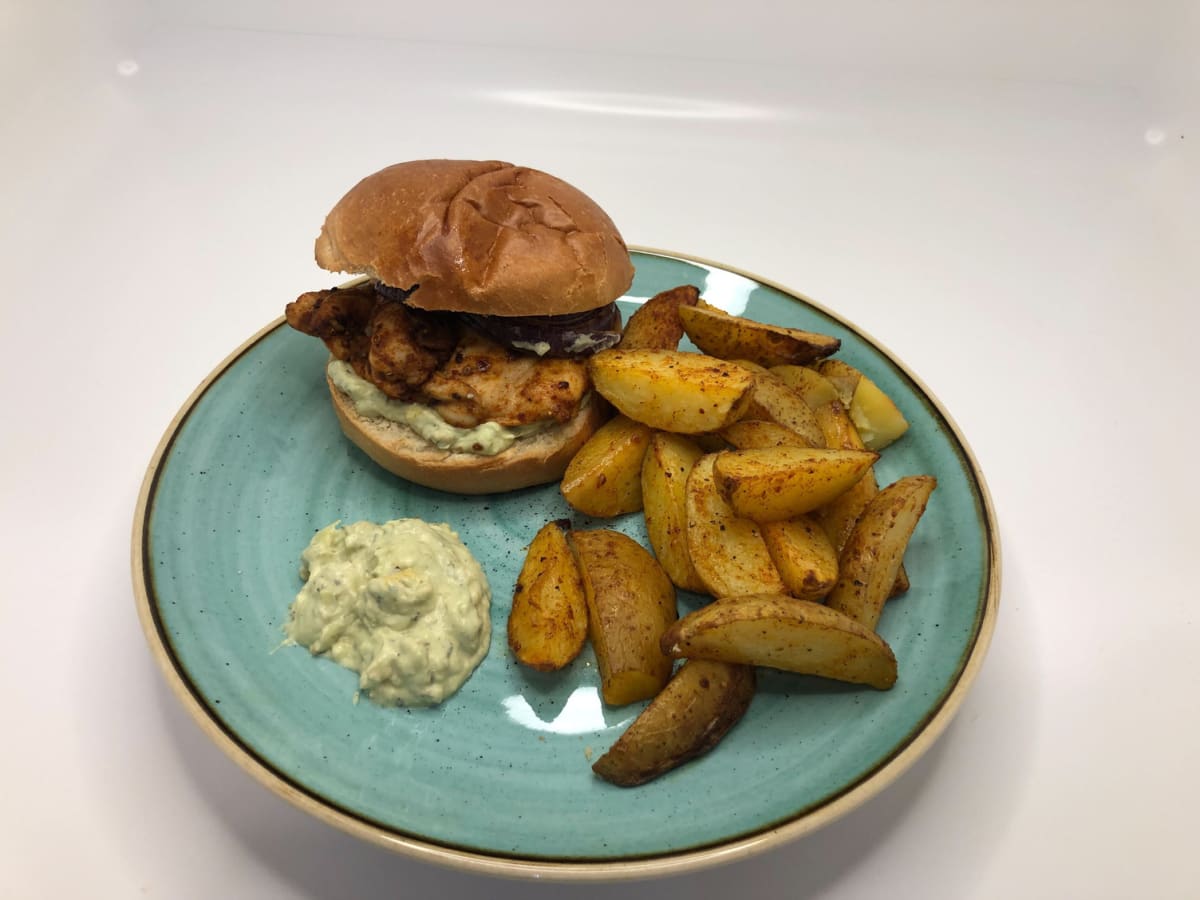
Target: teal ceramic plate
[(498, 778)]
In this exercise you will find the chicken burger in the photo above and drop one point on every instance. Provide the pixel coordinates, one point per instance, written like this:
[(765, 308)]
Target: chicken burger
[(458, 359)]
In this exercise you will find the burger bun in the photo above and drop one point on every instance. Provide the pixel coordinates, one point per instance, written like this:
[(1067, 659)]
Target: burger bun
[(482, 237)]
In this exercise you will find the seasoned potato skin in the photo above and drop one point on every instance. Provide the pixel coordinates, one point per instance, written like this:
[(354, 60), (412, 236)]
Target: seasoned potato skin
[(777, 402), (734, 337), (871, 559), (781, 632), (842, 375), (630, 603), (669, 460), (604, 479), (548, 622), (772, 484), (804, 556), (690, 716), (814, 387), (840, 514), (751, 434), (685, 393), (655, 325), (728, 551)]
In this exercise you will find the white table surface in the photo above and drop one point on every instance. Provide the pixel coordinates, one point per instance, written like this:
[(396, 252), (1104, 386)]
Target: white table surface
[(1005, 195)]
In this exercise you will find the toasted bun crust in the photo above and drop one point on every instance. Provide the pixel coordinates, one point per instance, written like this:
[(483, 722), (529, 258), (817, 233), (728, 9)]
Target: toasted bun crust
[(538, 459), (480, 237)]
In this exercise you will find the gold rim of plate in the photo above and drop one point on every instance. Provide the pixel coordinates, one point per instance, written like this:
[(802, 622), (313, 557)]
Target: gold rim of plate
[(662, 865)]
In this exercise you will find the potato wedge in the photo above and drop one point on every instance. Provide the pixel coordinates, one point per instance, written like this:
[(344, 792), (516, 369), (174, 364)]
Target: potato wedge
[(778, 483), (686, 393), (774, 401), (878, 419), (604, 478), (871, 559), (810, 384), (669, 460), (735, 337), (750, 434), (548, 621), (690, 716), (804, 556), (781, 632), (839, 516), (655, 325), (630, 602), (752, 366), (838, 428), (842, 376), (728, 552)]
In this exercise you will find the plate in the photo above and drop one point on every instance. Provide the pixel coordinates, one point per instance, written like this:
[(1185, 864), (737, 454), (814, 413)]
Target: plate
[(497, 779)]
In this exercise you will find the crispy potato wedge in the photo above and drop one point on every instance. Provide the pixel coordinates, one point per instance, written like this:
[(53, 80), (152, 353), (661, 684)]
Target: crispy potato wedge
[(630, 603), (690, 716), (871, 559), (548, 621), (773, 484), (752, 366), (751, 434), (878, 419), (842, 376), (838, 428), (774, 401), (604, 478), (781, 632), (728, 552), (839, 516), (804, 556), (655, 325), (669, 460), (810, 384), (735, 337), (686, 393)]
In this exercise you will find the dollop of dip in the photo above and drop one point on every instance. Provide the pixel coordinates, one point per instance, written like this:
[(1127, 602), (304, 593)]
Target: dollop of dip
[(404, 604)]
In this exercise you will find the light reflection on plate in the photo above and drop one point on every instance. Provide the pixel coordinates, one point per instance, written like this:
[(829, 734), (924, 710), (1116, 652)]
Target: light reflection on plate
[(583, 713)]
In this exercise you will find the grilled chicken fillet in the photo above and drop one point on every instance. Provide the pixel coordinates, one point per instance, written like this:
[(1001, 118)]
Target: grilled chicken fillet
[(431, 358)]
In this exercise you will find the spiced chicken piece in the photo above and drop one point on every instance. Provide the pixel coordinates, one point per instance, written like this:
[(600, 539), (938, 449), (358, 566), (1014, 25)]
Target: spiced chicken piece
[(393, 347), (414, 355), (407, 346), (339, 317), (486, 382)]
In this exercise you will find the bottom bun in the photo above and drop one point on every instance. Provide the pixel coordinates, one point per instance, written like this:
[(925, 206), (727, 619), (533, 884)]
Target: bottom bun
[(537, 459)]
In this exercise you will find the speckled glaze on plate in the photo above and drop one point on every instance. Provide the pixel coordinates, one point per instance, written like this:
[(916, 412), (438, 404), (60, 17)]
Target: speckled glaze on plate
[(497, 779)]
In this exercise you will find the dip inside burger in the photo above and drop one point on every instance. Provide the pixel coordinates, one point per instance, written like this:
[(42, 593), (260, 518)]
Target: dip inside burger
[(459, 360)]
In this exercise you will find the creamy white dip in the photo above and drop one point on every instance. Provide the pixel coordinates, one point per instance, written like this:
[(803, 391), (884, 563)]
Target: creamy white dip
[(487, 439), (541, 348), (404, 604)]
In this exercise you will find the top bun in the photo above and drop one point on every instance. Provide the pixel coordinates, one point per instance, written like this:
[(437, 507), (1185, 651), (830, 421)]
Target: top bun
[(481, 237)]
